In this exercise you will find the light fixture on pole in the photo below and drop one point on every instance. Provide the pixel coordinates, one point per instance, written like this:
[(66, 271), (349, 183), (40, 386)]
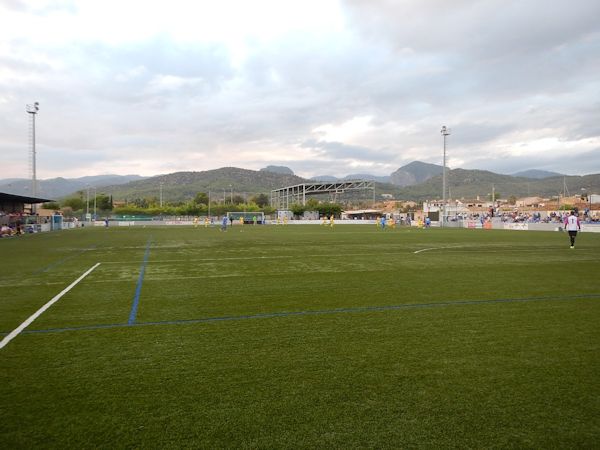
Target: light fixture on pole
[(95, 216), (32, 110), (161, 193), (445, 132)]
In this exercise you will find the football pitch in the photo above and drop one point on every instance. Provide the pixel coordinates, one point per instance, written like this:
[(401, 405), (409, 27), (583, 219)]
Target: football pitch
[(300, 337)]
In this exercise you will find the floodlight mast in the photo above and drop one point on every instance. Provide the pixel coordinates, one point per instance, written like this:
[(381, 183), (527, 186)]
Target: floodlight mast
[(445, 132), (33, 110)]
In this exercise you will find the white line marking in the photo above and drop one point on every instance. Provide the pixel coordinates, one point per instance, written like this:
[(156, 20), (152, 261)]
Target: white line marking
[(39, 312), (438, 248), (427, 249)]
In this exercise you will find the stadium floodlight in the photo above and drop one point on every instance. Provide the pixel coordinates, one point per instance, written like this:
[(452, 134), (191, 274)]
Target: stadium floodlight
[(32, 110), (445, 132), (87, 203)]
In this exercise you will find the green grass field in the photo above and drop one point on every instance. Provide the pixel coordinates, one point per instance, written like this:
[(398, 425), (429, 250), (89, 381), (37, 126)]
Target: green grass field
[(301, 337)]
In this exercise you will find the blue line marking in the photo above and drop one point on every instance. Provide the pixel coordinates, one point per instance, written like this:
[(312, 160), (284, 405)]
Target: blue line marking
[(63, 260), (138, 288), (358, 309)]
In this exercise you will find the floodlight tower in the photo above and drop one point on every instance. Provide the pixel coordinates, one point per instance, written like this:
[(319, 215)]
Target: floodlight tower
[(32, 110), (87, 204), (445, 132)]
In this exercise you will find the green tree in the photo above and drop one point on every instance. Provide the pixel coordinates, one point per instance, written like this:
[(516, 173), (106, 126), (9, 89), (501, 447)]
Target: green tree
[(297, 209), (75, 203), (327, 209), (103, 202), (261, 200), (51, 205), (312, 204), (238, 199), (512, 200), (201, 198), (140, 202)]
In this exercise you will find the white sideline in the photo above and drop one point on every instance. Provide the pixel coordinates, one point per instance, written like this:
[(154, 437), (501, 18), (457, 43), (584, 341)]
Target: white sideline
[(39, 312), (438, 248), (427, 249)]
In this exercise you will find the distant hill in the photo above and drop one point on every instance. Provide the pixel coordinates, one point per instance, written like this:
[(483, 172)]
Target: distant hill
[(56, 188), (325, 178), (469, 184), (414, 173), (226, 181), (537, 174), (366, 176), (278, 169)]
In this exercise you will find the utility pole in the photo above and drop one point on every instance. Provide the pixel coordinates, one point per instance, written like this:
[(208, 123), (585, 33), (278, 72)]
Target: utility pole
[(445, 132), (161, 193)]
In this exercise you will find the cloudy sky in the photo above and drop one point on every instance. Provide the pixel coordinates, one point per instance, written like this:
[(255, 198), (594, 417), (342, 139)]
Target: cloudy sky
[(321, 86)]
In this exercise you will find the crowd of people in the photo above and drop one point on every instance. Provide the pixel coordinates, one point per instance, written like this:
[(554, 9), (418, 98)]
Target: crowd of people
[(526, 217)]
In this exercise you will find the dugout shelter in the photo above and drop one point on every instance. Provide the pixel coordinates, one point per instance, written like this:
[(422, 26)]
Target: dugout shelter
[(12, 206)]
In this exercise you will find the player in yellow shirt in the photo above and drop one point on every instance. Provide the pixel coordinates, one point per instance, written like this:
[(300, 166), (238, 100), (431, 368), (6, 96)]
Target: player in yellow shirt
[(331, 221)]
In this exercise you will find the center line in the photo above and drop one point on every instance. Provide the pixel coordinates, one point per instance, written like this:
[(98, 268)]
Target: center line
[(138, 288)]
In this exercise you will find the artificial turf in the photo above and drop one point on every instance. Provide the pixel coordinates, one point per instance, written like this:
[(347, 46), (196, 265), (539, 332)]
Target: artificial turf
[(301, 336)]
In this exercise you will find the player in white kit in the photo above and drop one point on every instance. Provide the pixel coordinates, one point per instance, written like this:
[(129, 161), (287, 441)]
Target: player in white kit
[(572, 225)]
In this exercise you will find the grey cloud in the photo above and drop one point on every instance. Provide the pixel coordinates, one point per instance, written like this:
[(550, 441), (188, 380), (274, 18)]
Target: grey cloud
[(565, 162), (479, 133), (486, 69), (489, 49), (338, 151), (43, 9), (489, 29)]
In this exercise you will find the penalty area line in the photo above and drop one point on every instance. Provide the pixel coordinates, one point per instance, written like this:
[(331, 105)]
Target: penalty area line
[(13, 334), (437, 248)]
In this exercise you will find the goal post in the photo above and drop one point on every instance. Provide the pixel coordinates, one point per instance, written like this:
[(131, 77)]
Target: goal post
[(249, 218)]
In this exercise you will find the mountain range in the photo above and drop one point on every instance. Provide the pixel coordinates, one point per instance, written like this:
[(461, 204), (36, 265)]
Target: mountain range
[(414, 181), (60, 187)]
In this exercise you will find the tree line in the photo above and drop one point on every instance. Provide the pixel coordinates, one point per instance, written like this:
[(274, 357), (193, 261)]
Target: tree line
[(197, 206)]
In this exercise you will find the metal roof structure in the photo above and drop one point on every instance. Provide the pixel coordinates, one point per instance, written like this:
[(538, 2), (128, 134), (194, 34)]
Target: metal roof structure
[(11, 203), (284, 198)]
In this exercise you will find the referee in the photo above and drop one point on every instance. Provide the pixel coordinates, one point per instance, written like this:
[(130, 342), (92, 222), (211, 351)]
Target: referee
[(572, 225)]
